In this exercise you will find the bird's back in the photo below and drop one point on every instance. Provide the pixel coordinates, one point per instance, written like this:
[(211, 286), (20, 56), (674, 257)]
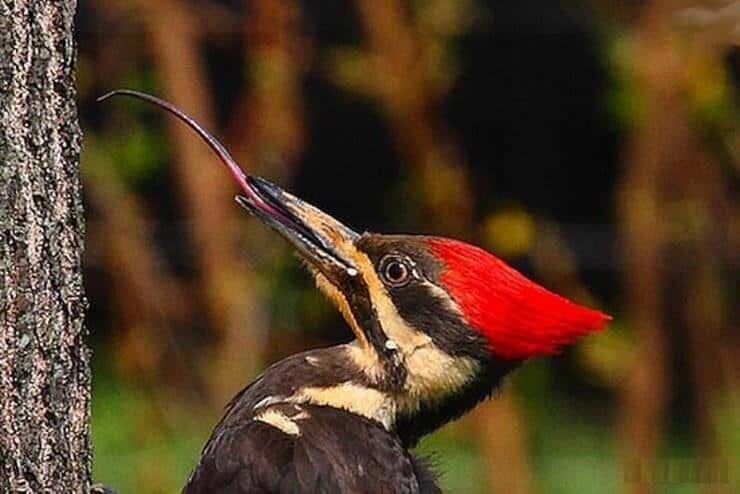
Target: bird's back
[(266, 444), (332, 451)]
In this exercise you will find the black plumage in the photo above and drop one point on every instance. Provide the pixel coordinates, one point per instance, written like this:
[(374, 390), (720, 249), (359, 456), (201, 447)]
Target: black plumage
[(333, 450), (336, 452)]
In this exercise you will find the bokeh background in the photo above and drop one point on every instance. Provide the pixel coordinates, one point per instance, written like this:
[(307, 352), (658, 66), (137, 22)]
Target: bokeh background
[(592, 144)]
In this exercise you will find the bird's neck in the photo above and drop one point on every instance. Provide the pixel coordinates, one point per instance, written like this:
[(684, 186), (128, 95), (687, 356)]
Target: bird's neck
[(436, 388)]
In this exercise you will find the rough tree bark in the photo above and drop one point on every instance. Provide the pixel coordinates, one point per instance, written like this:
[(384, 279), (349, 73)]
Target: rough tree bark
[(44, 371)]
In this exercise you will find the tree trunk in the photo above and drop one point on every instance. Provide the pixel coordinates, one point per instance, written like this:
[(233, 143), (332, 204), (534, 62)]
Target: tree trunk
[(44, 371)]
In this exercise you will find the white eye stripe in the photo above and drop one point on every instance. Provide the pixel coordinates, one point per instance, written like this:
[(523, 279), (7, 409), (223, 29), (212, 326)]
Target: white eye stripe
[(444, 297)]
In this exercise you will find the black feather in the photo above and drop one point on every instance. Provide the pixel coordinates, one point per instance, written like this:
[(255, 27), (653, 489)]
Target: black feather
[(335, 452)]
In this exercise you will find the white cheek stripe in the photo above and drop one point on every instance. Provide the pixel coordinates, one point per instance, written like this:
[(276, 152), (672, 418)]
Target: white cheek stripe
[(432, 373)]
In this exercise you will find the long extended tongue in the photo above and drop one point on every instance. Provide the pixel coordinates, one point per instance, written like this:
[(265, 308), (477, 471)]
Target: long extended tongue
[(234, 169)]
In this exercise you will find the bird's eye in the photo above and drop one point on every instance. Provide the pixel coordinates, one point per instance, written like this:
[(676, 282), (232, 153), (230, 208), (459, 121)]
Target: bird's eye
[(395, 272)]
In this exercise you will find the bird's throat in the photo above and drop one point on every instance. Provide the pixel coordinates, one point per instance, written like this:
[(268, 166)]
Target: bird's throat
[(437, 388)]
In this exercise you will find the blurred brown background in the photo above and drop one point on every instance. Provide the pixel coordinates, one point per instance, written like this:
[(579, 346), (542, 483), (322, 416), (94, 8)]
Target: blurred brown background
[(592, 144)]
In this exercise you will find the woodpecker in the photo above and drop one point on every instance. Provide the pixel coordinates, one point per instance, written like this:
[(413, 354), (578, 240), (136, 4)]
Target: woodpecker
[(437, 324)]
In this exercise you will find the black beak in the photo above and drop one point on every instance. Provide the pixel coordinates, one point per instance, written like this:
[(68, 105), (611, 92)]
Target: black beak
[(323, 241)]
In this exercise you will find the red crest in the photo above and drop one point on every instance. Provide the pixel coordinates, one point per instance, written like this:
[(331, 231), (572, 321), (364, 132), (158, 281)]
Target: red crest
[(519, 318)]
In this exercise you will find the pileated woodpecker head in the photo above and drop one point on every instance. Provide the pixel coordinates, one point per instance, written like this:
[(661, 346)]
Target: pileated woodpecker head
[(437, 321)]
